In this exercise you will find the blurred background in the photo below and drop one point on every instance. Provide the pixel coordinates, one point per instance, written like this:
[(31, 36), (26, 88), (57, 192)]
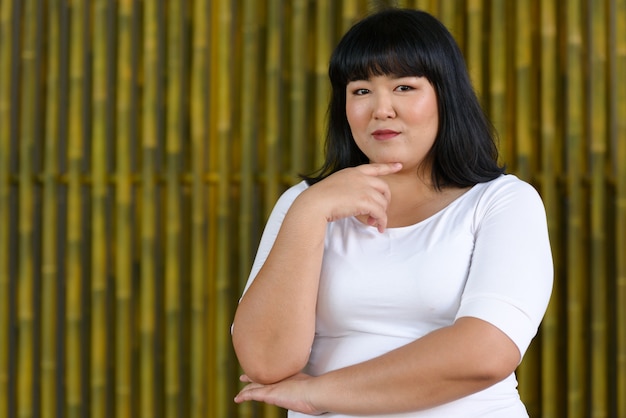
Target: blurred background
[(144, 142)]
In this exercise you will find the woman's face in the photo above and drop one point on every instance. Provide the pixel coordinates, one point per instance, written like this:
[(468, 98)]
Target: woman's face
[(393, 119)]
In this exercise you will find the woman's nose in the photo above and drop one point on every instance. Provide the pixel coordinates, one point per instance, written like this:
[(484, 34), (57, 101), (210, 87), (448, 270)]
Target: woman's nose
[(383, 107)]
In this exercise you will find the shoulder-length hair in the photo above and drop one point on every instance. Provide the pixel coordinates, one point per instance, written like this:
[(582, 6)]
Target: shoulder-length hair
[(402, 42)]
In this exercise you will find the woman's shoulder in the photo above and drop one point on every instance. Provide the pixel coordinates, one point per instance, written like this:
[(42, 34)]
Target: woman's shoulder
[(286, 199), (506, 184), (507, 191)]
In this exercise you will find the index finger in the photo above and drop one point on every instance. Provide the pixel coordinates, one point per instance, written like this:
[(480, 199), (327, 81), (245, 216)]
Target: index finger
[(381, 169)]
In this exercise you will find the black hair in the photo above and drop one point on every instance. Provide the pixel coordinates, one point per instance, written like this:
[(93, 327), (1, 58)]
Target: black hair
[(404, 42)]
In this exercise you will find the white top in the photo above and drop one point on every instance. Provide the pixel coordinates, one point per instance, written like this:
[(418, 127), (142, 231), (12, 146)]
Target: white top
[(485, 255)]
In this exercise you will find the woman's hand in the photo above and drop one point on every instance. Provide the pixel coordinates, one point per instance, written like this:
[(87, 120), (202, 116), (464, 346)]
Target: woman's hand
[(290, 393), (354, 191)]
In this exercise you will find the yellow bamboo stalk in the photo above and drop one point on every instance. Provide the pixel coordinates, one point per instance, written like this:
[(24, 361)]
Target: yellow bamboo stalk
[(250, 68), (551, 167), (620, 215), (273, 105), (173, 239), (577, 377), (497, 69), (6, 11), (425, 5), (149, 118), (199, 128), (523, 139), (323, 48), (212, 206), (123, 215), (75, 241), (98, 372), (297, 90), (350, 12), (220, 297), (523, 88), (598, 113), (474, 44), (49, 368), (25, 280)]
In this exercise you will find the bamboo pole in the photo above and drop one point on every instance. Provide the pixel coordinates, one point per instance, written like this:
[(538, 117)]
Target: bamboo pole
[(98, 366), (150, 126), (576, 352), (199, 128), (297, 90), (6, 11), (598, 285), (250, 96), (125, 138), (323, 48), (49, 268), (220, 297), (350, 13), (475, 46), (551, 167), (523, 140), (25, 280), (497, 69), (212, 207), (173, 211), (273, 105), (620, 202), (75, 241)]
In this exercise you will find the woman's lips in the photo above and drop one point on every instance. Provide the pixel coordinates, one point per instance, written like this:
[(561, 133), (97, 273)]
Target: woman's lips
[(384, 134)]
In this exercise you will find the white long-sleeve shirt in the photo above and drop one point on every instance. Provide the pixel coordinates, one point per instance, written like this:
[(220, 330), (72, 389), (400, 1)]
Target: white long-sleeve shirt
[(486, 255)]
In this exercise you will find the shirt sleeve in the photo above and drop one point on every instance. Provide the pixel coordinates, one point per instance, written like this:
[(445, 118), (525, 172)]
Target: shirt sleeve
[(272, 227), (511, 272)]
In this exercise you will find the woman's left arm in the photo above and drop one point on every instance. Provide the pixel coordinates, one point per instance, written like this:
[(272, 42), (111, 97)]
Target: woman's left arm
[(443, 366)]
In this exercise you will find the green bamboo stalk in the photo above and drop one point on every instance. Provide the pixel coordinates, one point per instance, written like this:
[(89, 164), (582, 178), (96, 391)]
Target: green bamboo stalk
[(98, 366), (75, 241), (123, 217), (6, 11), (620, 215), (199, 111), (576, 375), (50, 232), (173, 212), (324, 45), (475, 50), (147, 301), (598, 114), (25, 284), (221, 295), (551, 168)]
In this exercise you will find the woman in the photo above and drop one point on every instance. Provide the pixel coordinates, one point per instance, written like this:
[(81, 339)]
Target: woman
[(409, 275)]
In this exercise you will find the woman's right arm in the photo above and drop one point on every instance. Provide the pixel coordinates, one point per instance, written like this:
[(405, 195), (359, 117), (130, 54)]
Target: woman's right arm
[(274, 323)]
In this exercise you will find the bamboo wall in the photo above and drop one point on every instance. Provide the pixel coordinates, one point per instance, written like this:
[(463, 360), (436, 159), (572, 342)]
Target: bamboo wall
[(143, 144)]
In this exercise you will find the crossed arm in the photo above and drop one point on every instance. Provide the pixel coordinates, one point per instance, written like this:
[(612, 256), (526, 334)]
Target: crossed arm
[(275, 323)]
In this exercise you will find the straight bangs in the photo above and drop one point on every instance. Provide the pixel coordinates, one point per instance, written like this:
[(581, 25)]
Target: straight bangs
[(368, 53)]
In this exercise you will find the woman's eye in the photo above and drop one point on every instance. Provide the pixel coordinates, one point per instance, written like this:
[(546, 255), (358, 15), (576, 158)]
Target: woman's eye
[(360, 92), (404, 88)]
